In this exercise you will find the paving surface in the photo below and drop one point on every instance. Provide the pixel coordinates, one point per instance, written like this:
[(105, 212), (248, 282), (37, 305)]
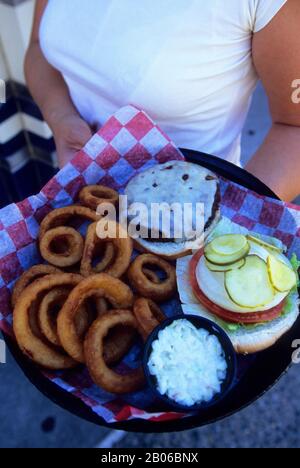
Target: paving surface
[(27, 419), (273, 421)]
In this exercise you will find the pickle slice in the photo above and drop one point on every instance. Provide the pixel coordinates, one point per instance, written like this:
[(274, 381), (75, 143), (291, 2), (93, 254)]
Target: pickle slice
[(250, 286), (229, 244), (224, 268), (218, 259), (264, 244), (282, 277)]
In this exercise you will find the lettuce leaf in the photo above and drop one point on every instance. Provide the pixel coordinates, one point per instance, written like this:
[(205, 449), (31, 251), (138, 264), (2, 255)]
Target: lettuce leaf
[(296, 266), (289, 305)]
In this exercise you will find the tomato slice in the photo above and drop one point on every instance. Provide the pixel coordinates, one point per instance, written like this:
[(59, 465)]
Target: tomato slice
[(224, 314)]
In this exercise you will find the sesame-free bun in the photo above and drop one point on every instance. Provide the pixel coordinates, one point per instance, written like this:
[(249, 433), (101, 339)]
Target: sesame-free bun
[(175, 182)]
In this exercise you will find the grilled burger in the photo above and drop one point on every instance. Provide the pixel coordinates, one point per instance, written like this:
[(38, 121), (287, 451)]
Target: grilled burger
[(169, 183)]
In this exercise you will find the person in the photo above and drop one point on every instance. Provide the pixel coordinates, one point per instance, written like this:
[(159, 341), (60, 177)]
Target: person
[(192, 65)]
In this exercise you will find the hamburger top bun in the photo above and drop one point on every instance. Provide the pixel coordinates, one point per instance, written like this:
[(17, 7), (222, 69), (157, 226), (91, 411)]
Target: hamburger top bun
[(175, 182)]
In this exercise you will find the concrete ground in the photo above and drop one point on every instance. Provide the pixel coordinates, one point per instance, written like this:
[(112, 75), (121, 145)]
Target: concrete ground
[(27, 419)]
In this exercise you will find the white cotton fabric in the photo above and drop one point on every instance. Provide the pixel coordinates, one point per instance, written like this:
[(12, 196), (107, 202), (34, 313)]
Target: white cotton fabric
[(187, 63)]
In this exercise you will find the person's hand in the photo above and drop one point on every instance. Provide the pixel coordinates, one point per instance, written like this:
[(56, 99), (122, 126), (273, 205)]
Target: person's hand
[(70, 133)]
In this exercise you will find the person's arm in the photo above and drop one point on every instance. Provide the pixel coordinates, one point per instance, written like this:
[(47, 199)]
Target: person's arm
[(51, 94), (276, 52)]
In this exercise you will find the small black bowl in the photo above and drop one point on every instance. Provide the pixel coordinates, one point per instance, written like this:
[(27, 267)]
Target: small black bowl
[(230, 357)]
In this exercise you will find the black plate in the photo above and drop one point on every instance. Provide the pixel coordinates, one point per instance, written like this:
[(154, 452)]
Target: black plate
[(266, 370)]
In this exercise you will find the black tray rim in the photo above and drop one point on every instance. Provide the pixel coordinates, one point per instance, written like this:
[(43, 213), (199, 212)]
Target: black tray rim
[(75, 406)]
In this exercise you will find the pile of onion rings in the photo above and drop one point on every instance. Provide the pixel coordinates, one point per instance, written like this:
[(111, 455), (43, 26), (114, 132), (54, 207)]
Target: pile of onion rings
[(90, 302)]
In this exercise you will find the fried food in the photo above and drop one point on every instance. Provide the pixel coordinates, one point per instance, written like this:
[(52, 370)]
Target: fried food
[(62, 246), (28, 277), (120, 260), (107, 258), (37, 349), (94, 195), (48, 311), (63, 216), (117, 344), (148, 316), (101, 306), (76, 309), (102, 375), (102, 285), (141, 282), (151, 275), (119, 340)]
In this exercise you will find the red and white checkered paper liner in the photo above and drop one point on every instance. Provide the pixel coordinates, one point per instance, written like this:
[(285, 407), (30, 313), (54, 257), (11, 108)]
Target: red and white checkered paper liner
[(129, 143)]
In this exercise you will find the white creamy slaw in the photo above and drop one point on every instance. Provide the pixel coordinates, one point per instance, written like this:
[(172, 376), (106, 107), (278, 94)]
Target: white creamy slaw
[(188, 363)]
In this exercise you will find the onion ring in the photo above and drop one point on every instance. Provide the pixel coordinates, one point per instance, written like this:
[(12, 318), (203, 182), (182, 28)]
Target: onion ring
[(104, 377), (151, 276), (48, 312), (117, 344), (123, 248), (62, 246), (119, 340), (161, 292), (35, 272), (33, 347), (34, 320), (112, 289), (61, 216), (101, 306), (94, 195), (107, 259), (148, 316)]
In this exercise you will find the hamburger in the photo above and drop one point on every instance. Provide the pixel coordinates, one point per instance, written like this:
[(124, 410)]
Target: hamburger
[(245, 283), (175, 182)]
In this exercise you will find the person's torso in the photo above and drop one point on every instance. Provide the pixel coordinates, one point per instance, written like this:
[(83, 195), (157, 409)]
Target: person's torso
[(187, 63)]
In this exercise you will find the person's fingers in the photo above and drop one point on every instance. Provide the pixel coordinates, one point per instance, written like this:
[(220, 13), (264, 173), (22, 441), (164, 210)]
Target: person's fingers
[(70, 135), (79, 133), (64, 156)]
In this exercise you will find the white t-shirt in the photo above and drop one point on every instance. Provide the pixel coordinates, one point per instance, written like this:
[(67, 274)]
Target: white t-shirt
[(188, 63)]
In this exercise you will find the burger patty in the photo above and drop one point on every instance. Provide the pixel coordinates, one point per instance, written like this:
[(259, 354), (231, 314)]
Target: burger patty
[(173, 182), (215, 210)]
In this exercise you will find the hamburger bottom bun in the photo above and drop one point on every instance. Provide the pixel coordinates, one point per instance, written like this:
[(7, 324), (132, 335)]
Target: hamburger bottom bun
[(253, 340), (174, 250), (245, 340)]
